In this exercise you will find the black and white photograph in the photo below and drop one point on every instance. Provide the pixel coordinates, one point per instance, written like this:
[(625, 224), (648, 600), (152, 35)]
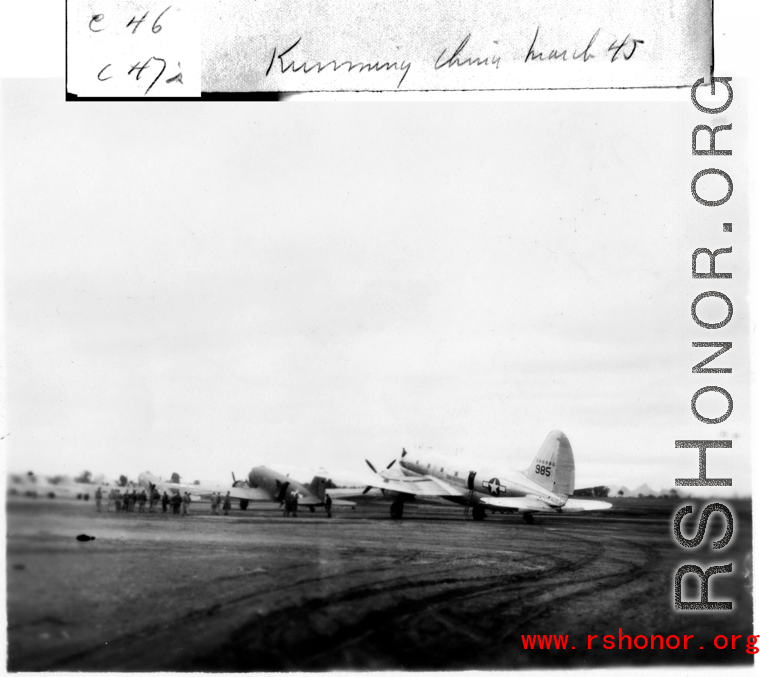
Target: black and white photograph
[(378, 383)]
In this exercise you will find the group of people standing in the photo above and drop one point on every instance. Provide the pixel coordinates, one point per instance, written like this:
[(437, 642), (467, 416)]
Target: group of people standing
[(127, 501), (176, 501), (290, 504), (180, 503), (131, 499), (217, 501)]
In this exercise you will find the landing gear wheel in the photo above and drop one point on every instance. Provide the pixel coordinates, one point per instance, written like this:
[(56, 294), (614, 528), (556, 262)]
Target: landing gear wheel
[(243, 504), (311, 508), (478, 513), (528, 518), (397, 510)]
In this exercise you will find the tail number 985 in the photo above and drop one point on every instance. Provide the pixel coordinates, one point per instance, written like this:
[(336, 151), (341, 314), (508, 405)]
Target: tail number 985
[(543, 470)]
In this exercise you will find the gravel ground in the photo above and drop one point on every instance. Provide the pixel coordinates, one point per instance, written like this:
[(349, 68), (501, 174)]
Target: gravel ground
[(256, 591)]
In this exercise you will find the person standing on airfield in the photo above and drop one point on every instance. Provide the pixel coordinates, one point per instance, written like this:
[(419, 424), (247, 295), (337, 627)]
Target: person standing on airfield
[(117, 500), (164, 501), (176, 503), (328, 505), (98, 498), (286, 505), (141, 499), (186, 504), (215, 504), (294, 504), (227, 504)]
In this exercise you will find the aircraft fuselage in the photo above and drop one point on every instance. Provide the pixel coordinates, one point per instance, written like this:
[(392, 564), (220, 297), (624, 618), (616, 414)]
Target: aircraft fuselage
[(475, 483), (276, 484)]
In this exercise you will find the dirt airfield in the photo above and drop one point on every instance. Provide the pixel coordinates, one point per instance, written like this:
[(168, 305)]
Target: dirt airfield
[(256, 591)]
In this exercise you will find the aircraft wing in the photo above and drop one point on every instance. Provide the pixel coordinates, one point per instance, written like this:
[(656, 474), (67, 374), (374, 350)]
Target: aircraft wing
[(245, 493), (351, 492), (416, 486), (534, 504), (313, 500), (205, 490), (582, 505), (342, 502)]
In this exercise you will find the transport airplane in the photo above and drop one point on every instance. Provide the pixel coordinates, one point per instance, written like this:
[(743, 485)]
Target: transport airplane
[(38, 486), (544, 487), (263, 484)]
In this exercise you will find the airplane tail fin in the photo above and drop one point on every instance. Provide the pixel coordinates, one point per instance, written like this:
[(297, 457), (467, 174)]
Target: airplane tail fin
[(318, 486), (554, 467)]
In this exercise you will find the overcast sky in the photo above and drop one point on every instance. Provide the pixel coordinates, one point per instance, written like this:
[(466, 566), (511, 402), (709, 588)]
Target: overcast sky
[(204, 288)]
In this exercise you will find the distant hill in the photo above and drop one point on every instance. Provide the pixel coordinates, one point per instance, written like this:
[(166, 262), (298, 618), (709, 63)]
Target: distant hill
[(670, 492), (600, 491), (644, 490)]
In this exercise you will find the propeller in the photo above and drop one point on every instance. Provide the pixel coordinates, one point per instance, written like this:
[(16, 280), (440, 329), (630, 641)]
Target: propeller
[(372, 467), (374, 470), (238, 483)]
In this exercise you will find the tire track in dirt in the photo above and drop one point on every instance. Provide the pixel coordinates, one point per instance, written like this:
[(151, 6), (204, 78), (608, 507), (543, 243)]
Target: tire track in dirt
[(273, 645), (496, 634), (231, 615), (309, 631), (507, 593)]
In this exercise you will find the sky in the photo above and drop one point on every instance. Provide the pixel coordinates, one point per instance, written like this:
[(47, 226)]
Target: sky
[(205, 288)]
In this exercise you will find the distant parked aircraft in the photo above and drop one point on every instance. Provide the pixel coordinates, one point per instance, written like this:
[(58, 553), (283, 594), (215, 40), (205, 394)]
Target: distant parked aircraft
[(38, 486), (263, 484), (544, 487)]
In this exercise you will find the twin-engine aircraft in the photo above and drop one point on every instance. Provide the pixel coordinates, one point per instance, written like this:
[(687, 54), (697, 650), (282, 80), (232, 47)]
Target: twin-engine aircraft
[(544, 487), (263, 484), (38, 486)]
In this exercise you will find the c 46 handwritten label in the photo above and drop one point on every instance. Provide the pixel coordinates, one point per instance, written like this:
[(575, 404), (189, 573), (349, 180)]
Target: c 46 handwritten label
[(133, 48)]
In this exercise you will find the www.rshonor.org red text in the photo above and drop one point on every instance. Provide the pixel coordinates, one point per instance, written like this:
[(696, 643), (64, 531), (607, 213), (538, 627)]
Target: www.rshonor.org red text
[(623, 642)]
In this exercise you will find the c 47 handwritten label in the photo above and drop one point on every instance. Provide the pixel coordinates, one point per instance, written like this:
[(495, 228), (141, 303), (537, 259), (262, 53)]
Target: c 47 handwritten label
[(133, 48)]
